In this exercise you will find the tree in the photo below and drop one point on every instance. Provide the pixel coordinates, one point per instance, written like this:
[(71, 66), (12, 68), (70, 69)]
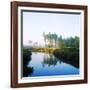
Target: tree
[(44, 38), (60, 42), (76, 42), (54, 38)]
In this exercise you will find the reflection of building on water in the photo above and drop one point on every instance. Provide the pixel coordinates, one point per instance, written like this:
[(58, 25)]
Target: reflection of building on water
[(50, 60)]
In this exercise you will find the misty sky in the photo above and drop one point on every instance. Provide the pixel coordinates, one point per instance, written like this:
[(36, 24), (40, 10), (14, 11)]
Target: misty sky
[(35, 23)]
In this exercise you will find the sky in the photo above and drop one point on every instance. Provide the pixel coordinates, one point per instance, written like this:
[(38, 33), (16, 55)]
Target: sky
[(35, 23)]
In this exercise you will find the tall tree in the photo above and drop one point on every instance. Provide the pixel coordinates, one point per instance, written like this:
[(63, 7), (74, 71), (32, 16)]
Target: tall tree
[(44, 38), (54, 39)]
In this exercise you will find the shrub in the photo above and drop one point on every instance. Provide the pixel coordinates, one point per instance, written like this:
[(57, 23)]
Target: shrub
[(26, 56)]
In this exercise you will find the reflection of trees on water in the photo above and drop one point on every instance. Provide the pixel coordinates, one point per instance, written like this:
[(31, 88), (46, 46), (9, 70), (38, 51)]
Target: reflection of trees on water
[(26, 59), (49, 59), (68, 55)]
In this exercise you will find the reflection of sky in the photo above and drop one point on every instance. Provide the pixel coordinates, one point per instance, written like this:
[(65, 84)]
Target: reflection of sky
[(34, 24), (58, 69)]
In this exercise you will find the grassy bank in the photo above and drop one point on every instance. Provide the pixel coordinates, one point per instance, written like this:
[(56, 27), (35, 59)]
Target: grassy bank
[(47, 50)]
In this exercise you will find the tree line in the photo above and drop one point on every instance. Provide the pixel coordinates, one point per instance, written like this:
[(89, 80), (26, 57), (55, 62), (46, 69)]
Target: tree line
[(52, 40)]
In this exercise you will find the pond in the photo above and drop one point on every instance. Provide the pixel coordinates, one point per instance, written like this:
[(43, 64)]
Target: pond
[(45, 64)]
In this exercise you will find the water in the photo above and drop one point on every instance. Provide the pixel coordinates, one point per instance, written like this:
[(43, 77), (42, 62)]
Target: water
[(44, 64)]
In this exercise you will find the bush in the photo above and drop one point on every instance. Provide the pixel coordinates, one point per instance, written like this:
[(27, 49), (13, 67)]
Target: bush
[(27, 71), (26, 56)]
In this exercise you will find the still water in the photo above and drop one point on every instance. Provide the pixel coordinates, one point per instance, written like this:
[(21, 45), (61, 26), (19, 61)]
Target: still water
[(47, 65)]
